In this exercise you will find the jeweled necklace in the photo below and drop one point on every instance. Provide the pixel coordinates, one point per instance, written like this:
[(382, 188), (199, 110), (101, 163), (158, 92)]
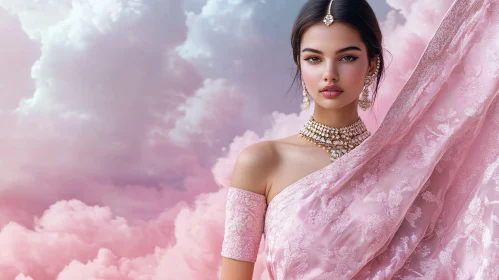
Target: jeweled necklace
[(336, 141)]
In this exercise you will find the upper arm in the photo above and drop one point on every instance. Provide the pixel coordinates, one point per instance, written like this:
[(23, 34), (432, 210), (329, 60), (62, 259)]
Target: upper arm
[(251, 171)]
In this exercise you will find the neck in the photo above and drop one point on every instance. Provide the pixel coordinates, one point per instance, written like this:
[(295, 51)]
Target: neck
[(336, 118)]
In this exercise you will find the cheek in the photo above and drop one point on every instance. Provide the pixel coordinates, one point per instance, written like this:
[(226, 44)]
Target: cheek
[(352, 76), (311, 76)]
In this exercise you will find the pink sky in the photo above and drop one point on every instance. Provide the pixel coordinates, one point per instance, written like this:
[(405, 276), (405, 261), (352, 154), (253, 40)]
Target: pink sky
[(121, 120)]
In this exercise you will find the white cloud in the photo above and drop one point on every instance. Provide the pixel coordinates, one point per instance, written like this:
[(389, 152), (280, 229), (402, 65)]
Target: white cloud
[(105, 78), (17, 55), (216, 106)]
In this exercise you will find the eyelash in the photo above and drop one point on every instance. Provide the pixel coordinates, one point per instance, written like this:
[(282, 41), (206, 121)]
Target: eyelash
[(353, 58)]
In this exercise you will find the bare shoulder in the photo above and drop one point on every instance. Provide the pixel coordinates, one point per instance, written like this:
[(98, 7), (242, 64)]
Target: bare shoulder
[(254, 167)]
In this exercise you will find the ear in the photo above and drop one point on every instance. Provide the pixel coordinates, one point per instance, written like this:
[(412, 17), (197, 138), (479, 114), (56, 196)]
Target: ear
[(373, 63)]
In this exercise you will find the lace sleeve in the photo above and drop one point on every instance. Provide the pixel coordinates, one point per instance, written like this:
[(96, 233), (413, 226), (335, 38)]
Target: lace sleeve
[(245, 215)]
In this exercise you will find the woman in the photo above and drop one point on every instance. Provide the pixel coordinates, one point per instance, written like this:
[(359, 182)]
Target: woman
[(415, 200)]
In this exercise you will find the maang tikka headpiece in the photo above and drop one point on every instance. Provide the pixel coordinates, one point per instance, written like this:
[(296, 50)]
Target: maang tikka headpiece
[(328, 20)]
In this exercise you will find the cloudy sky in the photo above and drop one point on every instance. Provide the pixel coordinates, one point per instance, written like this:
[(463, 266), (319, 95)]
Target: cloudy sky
[(120, 121)]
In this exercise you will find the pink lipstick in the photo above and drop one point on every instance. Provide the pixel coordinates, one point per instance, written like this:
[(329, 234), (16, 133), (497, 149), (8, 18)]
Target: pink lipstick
[(331, 91)]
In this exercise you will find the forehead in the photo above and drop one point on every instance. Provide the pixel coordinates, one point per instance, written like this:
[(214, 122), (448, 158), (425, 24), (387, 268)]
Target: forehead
[(333, 37)]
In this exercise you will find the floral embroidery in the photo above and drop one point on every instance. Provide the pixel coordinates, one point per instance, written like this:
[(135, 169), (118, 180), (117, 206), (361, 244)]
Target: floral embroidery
[(245, 216)]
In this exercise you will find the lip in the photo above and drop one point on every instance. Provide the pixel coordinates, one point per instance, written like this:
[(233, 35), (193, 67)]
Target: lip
[(331, 88), (331, 91), (331, 94)]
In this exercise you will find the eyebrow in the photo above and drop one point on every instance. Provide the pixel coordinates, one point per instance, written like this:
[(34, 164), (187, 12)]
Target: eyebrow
[(337, 52)]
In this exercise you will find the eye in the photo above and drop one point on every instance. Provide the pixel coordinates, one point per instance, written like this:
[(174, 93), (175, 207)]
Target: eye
[(349, 58), (313, 59)]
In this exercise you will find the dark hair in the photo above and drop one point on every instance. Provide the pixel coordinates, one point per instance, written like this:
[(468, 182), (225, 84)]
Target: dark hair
[(356, 13)]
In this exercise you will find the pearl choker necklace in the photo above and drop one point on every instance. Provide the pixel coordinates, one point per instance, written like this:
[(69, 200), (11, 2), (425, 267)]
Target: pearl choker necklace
[(336, 141)]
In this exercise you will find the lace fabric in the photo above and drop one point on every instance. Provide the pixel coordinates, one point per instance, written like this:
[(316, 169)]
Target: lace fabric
[(245, 215), (418, 199)]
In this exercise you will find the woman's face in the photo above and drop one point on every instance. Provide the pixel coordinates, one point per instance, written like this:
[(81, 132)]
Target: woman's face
[(334, 55)]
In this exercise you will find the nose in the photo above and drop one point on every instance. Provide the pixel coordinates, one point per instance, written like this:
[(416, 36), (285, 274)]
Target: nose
[(330, 72)]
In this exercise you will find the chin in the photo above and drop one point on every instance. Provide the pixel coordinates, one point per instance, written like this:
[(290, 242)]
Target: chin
[(338, 104)]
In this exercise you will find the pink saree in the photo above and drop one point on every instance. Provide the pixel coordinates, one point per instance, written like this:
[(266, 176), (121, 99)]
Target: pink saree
[(418, 199)]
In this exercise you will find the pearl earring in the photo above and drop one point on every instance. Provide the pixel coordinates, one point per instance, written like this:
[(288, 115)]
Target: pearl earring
[(306, 100), (364, 101)]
